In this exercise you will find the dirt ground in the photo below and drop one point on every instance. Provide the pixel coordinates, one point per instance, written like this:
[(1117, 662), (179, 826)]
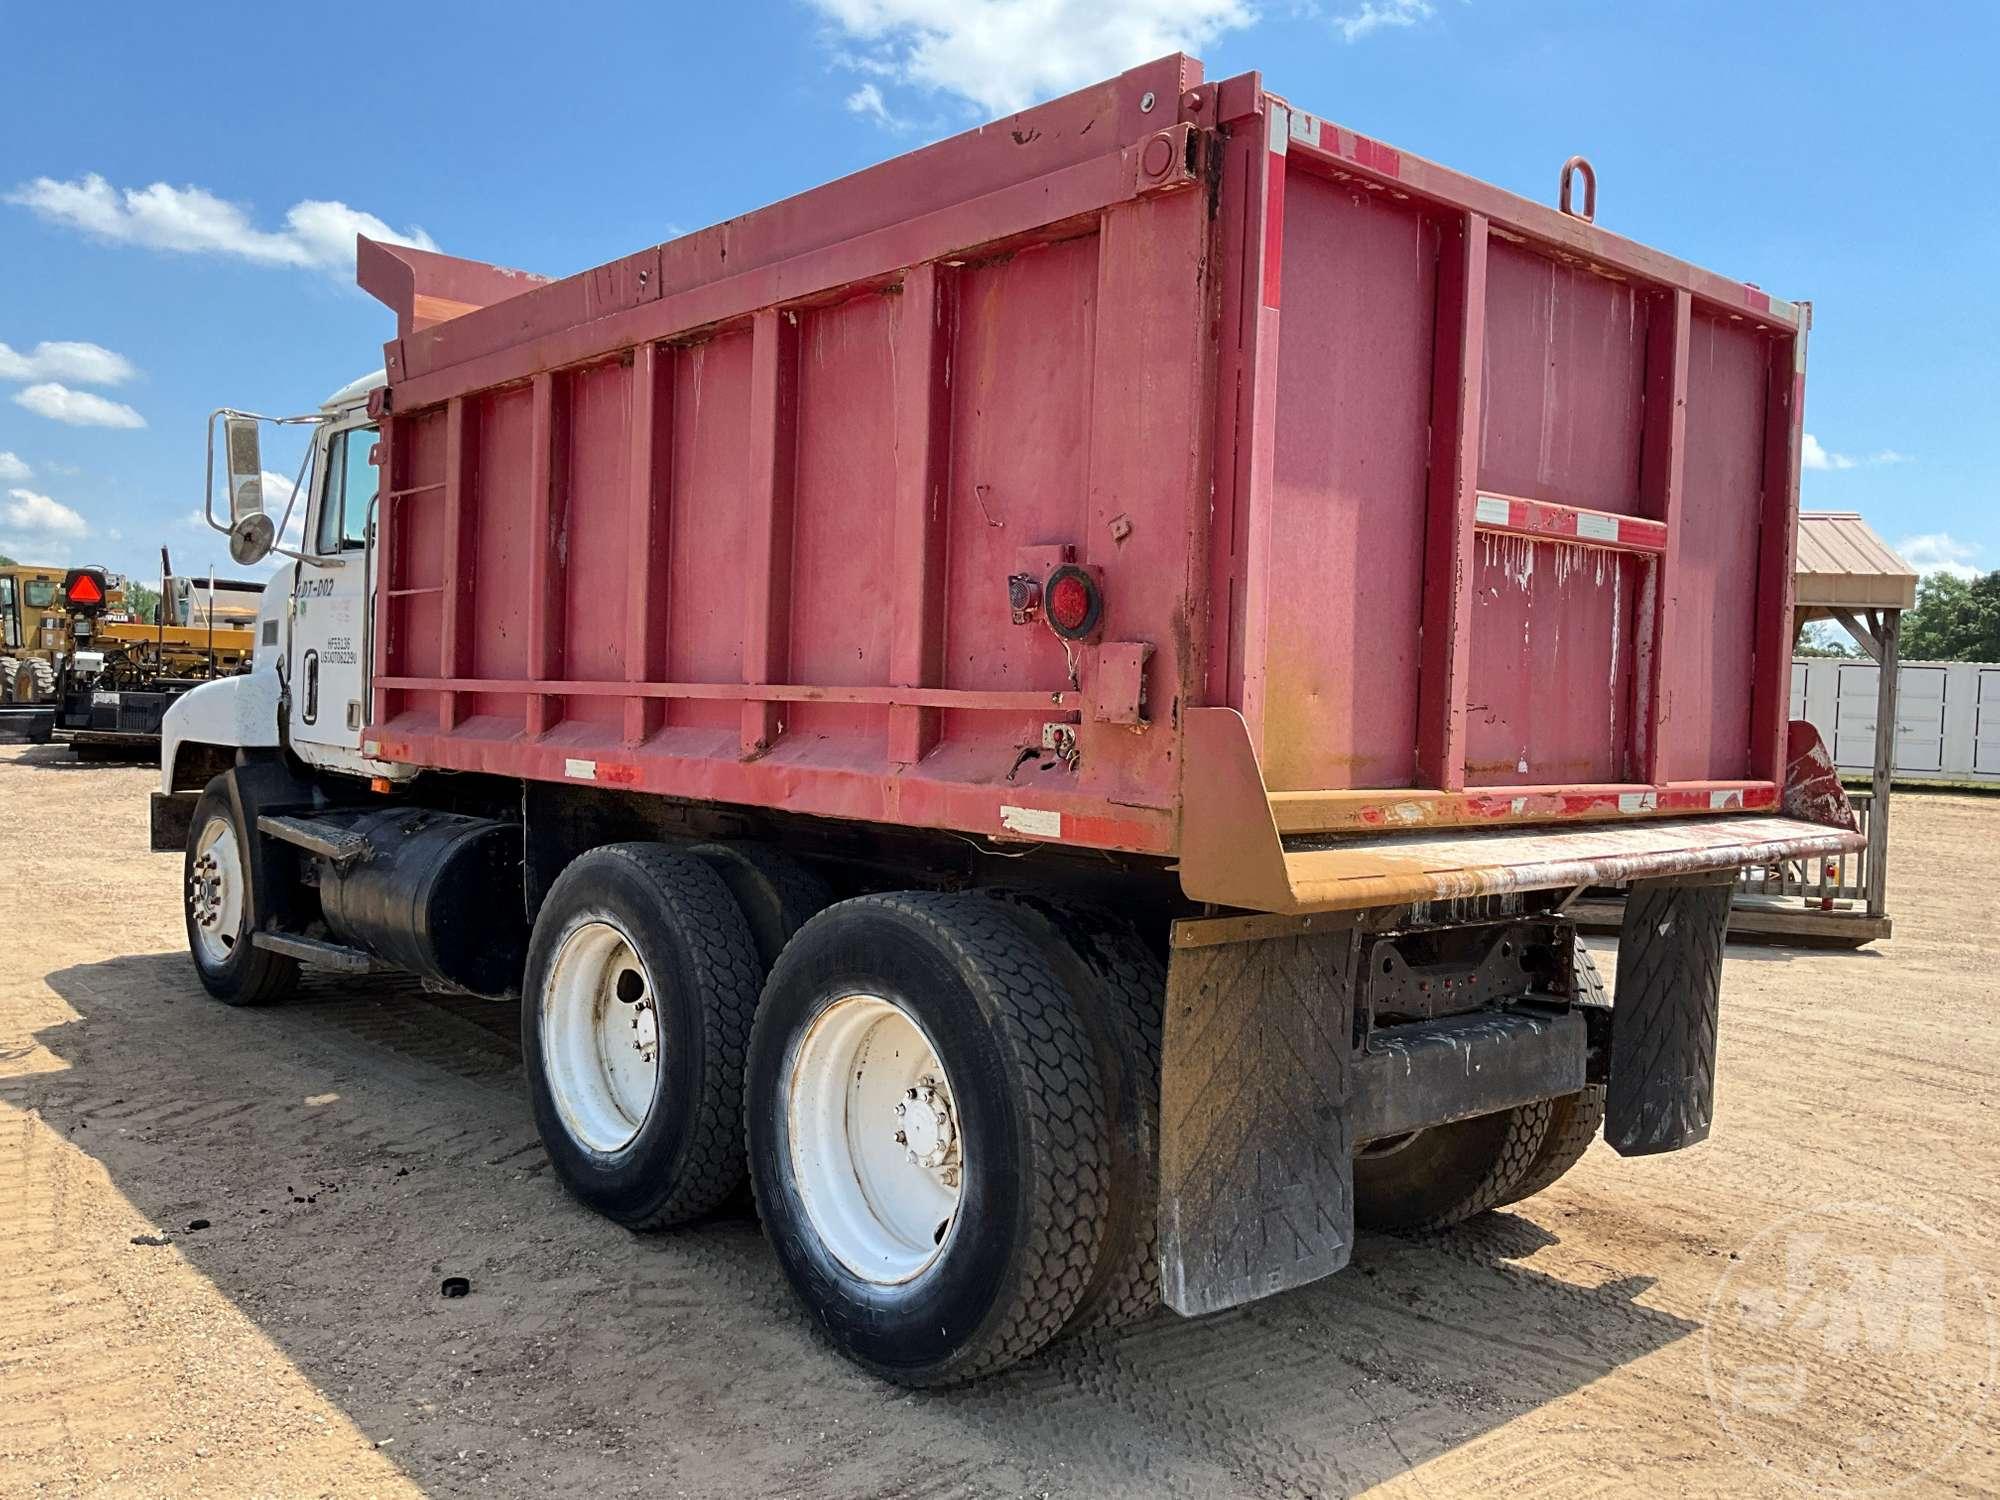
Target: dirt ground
[(1804, 1300)]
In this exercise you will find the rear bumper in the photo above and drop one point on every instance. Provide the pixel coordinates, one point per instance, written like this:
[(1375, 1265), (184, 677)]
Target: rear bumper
[(1436, 1072), (1232, 853), (1440, 866)]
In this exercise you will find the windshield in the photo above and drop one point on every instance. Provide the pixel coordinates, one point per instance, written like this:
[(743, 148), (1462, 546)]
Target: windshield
[(39, 592)]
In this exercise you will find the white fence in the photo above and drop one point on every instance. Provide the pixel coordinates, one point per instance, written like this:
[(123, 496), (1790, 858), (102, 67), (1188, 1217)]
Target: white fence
[(1947, 716)]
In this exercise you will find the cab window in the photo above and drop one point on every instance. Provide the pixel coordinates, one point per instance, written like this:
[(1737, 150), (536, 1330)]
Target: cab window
[(350, 487), (8, 637), (39, 592)]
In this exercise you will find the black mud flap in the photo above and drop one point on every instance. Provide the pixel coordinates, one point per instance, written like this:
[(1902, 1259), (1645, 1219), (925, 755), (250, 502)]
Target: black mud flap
[(172, 818), (1662, 1091), (1256, 1137)]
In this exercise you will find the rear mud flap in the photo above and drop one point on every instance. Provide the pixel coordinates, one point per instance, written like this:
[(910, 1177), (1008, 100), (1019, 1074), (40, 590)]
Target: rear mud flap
[(1662, 1089), (1256, 1149)]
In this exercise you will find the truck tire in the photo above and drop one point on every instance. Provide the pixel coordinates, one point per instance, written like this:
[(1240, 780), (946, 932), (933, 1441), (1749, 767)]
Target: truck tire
[(1574, 1119), (1446, 1174), (921, 1023), (640, 984), (219, 901), (8, 667), (776, 894), (34, 681), (1123, 987)]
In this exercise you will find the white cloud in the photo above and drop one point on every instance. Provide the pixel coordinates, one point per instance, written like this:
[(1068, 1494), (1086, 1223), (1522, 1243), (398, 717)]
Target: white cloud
[(867, 100), (1375, 14), (277, 491), (318, 234), (1003, 55), (1940, 552), (24, 510), (12, 466), (86, 364), (78, 408), (1814, 456)]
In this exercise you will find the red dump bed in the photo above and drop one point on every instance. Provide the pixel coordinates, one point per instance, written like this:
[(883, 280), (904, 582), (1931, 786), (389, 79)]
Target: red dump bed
[(1414, 505)]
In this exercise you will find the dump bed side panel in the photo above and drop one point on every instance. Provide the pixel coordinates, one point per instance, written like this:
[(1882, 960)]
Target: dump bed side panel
[(752, 539), (1350, 467)]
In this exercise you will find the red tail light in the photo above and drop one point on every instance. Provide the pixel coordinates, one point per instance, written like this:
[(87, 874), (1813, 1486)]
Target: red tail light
[(1073, 602)]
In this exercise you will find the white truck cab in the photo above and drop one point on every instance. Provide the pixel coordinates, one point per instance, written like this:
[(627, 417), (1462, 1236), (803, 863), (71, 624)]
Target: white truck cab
[(307, 689)]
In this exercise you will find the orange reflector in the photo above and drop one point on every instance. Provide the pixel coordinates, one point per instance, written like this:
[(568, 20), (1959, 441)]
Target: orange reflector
[(381, 784), (85, 589)]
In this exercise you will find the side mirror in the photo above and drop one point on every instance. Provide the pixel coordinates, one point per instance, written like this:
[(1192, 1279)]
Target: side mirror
[(246, 468), (251, 532)]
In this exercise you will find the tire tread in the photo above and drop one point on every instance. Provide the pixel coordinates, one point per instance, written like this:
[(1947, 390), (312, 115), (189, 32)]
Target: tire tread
[(1129, 985), (1574, 1119)]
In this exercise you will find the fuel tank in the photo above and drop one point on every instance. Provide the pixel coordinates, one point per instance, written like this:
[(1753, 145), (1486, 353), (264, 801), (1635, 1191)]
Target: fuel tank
[(438, 894)]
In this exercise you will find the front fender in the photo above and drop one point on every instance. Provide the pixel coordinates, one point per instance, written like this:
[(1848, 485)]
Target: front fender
[(238, 713)]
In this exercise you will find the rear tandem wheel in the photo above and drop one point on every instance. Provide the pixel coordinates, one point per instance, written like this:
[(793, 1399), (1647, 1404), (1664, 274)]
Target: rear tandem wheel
[(929, 1135)]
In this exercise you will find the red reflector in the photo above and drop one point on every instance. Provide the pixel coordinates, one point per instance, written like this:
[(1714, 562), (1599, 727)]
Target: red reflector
[(84, 589), (1072, 602), (1069, 602)]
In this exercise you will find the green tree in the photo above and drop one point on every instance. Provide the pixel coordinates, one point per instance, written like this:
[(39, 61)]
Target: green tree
[(1954, 620), (1824, 639), (141, 601)]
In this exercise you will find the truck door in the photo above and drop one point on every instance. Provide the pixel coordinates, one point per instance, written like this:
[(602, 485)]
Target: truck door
[(329, 604)]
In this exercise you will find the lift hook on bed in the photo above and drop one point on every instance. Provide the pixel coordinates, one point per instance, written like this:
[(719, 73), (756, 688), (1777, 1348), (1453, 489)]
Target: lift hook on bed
[(1574, 165)]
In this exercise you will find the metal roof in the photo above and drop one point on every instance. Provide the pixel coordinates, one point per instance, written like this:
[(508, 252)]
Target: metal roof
[(1843, 564)]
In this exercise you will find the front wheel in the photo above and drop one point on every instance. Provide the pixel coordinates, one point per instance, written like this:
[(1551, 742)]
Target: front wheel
[(929, 1135), (220, 900)]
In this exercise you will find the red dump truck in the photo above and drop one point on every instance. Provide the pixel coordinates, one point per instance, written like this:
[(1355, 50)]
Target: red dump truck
[(1042, 702)]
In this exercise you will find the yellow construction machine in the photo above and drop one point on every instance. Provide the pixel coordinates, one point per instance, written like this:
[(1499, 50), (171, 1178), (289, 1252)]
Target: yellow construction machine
[(72, 648)]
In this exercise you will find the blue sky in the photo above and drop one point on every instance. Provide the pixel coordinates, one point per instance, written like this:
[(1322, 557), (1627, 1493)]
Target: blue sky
[(177, 187)]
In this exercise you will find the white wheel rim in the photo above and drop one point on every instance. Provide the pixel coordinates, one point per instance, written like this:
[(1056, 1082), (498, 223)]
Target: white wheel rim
[(600, 1036), (876, 1144), (215, 891)]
